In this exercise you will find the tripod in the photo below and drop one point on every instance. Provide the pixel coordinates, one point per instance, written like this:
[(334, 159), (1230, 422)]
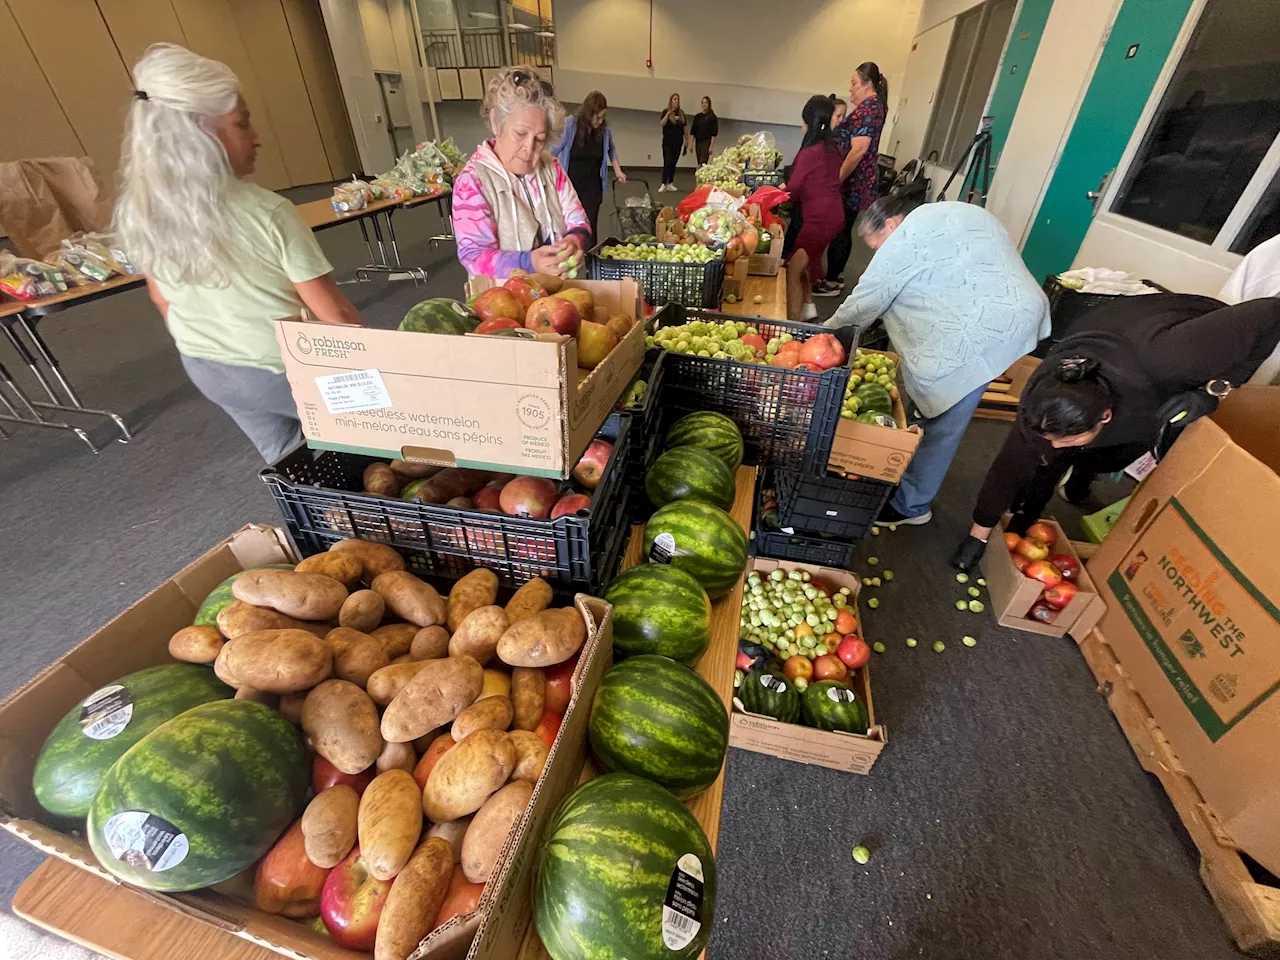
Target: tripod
[(979, 172)]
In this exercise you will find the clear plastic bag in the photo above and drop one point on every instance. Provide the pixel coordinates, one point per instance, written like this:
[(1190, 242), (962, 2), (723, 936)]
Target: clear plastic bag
[(89, 258), (759, 151), (354, 195), (29, 279)]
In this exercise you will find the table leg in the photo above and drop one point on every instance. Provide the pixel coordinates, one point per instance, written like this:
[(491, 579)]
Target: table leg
[(364, 232), (445, 204), (35, 420)]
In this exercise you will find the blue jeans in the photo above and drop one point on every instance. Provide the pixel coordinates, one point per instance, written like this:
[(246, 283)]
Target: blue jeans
[(927, 469)]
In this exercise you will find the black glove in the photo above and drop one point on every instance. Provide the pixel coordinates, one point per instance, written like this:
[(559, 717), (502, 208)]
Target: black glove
[(1019, 522), (968, 553)]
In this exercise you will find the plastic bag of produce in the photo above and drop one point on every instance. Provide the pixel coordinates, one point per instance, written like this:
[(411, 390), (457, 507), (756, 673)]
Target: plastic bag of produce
[(766, 198), (29, 279), (717, 223), (759, 151), (351, 196)]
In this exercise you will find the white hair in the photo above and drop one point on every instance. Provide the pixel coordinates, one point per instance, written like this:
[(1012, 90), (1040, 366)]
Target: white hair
[(170, 215), (513, 88)]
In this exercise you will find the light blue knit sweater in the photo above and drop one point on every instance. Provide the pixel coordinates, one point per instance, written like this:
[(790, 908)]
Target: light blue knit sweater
[(956, 298)]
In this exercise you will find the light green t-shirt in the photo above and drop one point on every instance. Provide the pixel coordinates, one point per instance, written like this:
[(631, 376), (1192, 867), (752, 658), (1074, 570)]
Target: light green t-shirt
[(234, 323)]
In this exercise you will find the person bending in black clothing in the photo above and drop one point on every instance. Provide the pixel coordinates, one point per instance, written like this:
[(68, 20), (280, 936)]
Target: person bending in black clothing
[(1109, 392)]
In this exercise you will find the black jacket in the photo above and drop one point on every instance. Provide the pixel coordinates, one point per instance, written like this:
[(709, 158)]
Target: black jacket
[(1151, 348)]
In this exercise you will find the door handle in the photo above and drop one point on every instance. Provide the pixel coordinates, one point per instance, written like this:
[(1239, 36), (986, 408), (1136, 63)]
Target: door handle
[(1095, 196)]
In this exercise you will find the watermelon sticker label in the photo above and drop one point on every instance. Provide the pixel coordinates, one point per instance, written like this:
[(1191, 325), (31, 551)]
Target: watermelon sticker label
[(353, 392), (683, 903), (106, 712), (773, 684), (145, 841), (840, 695), (663, 549)]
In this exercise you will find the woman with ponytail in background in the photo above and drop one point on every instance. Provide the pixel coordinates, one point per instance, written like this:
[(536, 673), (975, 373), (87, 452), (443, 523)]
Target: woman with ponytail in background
[(859, 139), (1124, 381), (223, 258), (814, 185)]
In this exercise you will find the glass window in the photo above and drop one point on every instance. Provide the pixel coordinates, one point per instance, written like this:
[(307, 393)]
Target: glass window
[(1214, 125), (1263, 222)]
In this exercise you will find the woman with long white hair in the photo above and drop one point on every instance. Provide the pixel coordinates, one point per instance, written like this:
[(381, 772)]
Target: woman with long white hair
[(223, 258)]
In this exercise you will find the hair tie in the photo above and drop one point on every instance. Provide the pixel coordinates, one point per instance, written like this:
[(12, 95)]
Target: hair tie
[(1075, 364), (140, 95)]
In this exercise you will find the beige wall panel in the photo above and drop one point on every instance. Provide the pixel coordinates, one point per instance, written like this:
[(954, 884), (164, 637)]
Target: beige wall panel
[(270, 46), (76, 54), (30, 115), (136, 24), (311, 43), (211, 31)]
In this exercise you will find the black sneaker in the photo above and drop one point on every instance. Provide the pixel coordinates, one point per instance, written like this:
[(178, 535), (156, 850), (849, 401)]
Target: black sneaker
[(888, 516), (827, 289)]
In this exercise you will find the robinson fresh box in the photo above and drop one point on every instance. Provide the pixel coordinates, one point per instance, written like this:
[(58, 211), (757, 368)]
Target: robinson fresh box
[(871, 451), (510, 404), (850, 752)]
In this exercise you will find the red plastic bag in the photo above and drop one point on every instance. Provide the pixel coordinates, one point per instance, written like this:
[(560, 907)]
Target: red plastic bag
[(693, 201), (766, 198)]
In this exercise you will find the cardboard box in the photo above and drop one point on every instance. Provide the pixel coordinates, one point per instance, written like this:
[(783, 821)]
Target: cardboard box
[(768, 264), (1013, 593), (493, 403), (848, 752), (139, 638), (1192, 586), (877, 453)]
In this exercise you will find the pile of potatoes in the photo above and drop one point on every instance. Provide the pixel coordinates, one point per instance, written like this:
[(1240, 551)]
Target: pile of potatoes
[(440, 697)]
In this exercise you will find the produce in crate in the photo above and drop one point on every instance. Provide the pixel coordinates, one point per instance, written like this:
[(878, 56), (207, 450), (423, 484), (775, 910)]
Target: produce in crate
[(770, 694), (221, 596), (595, 342), (553, 315), (700, 539), (689, 473), (498, 303), (287, 882), (738, 340), (660, 253), (1057, 572), (633, 395), (439, 315), (656, 718), (789, 615), (96, 732), (872, 385), (830, 705), (659, 609), (614, 856), (200, 798), (710, 431), (351, 903), (525, 288)]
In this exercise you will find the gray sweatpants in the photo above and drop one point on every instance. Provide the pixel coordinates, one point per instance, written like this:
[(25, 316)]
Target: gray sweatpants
[(259, 401)]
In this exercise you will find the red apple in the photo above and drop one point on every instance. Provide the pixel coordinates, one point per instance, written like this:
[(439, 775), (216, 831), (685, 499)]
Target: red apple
[(1067, 565), (853, 652), (1011, 541), (525, 289), (1042, 531), (351, 903), (591, 467), (553, 315), (1044, 571), (822, 587), (830, 667), (1060, 594), (489, 498), (461, 899), (287, 882), (529, 497), (498, 323), (823, 351), (439, 747), (570, 504), (581, 298), (498, 303), (1042, 612), (548, 728), (1020, 562), (559, 685), (324, 775), (1032, 549), (744, 662), (755, 342)]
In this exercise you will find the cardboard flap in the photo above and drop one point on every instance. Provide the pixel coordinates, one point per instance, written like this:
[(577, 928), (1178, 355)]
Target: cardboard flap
[(1250, 415)]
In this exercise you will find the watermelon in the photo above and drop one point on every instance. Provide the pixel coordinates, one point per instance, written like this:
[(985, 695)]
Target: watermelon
[(690, 473), (873, 398), (220, 597), (877, 419), (92, 736), (624, 873), (658, 719), (770, 694), (830, 705), (658, 608), (710, 431), (201, 797), (439, 315), (700, 539)]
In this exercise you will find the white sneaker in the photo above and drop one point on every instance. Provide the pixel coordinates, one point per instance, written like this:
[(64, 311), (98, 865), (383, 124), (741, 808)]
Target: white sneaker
[(662, 188), (809, 312)]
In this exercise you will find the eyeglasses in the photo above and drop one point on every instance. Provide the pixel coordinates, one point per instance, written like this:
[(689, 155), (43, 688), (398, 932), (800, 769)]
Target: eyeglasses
[(524, 78)]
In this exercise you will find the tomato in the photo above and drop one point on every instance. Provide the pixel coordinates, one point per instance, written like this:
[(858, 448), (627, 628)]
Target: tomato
[(549, 727), (461, 899), (830, 667), (559, 688), (439, 747), (798, 666), (853, 652), (846, 622)]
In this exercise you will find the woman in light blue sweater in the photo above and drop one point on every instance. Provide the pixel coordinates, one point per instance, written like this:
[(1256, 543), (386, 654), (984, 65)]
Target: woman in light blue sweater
[(959, 306)]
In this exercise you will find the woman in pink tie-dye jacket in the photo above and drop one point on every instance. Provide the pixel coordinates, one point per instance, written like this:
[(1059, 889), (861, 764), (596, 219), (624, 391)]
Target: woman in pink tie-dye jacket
[(513, 204)]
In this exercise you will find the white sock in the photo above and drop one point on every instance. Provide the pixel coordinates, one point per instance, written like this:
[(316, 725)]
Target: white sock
[(810, 312)]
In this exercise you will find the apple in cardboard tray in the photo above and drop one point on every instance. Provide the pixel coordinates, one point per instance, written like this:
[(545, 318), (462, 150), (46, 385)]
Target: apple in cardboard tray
[(1042, 531), (494, 324), (1032, 548), (1067, 565), (1060, 594), (498, 303), (351, 903), (529, 497), (1042, 612), (1044, 571), (570, 504), (525, 289), (582, 299), (595, 342), (553, 315), (619, 323)]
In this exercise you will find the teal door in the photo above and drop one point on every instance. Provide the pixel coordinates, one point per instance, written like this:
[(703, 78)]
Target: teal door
[(1140, 42)]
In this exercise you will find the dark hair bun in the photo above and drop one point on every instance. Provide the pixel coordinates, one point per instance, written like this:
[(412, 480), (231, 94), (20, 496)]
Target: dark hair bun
[(1075, 369)]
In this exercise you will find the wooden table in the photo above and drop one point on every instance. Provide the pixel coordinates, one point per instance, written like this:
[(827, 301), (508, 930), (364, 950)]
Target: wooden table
[(773, 290), (320, 215), (122, 923)]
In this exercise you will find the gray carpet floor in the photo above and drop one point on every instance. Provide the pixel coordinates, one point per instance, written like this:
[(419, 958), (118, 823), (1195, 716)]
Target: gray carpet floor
[(1007, 817)]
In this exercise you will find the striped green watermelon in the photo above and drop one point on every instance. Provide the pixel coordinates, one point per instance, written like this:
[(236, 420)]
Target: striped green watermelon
[(439, 315), (770, 694), (201, 797), (658, 719), (658, 608), (873, 398), (710, 431), (830, 705), (699, 539), (92, 736), (616, 853), (220, 597), (689, 473)]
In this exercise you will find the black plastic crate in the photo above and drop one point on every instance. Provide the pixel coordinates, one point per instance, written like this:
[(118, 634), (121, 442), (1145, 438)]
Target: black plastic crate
[(787, 417), (1066, 306), (644, 415), (826, 505), (754, 179), (319, 495), (639, 509), (691, 284), (768, 542)]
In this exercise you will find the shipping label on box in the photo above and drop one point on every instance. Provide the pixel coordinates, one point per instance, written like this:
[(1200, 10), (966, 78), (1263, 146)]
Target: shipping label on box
[(1209, 629)]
